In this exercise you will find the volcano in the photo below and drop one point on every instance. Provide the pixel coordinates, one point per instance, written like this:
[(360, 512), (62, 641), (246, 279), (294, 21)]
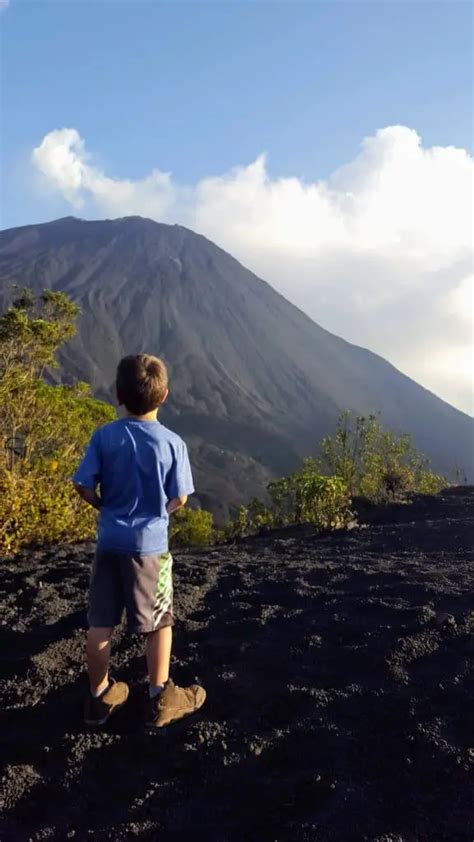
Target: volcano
[(255, 383)]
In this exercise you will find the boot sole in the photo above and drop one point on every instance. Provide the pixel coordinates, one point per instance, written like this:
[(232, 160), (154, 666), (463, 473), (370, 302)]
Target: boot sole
[(153, 725)]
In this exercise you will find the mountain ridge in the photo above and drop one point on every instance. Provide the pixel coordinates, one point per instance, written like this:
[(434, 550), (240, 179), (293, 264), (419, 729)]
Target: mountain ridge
[(341, 339), (255, 382)]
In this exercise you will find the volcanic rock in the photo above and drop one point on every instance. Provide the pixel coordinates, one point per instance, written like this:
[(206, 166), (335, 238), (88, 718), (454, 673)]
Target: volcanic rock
[(338, 707)]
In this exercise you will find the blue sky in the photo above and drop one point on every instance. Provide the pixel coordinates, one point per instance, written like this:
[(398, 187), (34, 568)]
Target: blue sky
[(197, 87)]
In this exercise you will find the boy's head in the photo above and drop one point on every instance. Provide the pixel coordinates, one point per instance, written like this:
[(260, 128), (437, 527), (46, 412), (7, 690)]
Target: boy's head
[(142, 383)]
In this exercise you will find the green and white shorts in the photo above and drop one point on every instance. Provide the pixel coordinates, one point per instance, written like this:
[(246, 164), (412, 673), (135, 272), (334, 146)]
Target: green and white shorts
[(142, 585)]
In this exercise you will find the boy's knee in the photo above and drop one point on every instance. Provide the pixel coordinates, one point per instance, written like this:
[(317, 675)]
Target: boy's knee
[(151, 635), (100, 634)]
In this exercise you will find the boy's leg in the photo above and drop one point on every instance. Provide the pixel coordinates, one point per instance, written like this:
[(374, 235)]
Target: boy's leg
[(105, 696), (98, 657), (167, 702), (158, 655), (105, 609), (148, 586)]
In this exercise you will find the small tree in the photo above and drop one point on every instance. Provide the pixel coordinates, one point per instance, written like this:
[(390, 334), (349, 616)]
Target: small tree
[(31, 331), (43, 428)]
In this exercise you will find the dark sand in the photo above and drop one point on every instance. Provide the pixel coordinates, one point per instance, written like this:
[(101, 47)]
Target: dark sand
[(340, 674)]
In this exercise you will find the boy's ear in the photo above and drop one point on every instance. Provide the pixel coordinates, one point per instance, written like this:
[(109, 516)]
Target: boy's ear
[(165, 396)]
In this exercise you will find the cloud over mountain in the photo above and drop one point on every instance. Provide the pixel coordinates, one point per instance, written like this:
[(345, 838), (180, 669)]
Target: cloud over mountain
[(380, 252)]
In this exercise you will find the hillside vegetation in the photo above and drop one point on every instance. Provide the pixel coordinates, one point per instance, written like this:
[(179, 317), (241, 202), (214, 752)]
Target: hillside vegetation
[(44, 430)]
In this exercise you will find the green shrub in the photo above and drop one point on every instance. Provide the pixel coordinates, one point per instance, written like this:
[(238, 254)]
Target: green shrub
[(303, 497), (40, 509), (250, 519), (378, 464), (43, 428), (306, 496), (191, 527), (360, 459)]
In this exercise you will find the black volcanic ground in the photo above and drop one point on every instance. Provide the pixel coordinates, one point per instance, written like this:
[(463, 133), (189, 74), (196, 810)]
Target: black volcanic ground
[(340, 673)]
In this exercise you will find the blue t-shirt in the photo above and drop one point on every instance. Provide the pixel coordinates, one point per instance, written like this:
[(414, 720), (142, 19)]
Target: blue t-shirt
[(139, 465)]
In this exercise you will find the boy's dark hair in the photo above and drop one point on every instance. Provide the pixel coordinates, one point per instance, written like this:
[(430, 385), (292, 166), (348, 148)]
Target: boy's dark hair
[(141, 383)]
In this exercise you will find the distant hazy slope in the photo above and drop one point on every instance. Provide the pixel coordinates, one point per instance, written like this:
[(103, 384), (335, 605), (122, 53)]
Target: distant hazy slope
[(254, 381)]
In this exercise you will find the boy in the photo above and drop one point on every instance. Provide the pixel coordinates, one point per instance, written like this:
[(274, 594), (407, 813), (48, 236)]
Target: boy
[(143, 472)]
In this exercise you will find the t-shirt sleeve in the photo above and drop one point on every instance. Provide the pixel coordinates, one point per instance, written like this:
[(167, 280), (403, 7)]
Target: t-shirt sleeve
[(88, 472), (179, 481)]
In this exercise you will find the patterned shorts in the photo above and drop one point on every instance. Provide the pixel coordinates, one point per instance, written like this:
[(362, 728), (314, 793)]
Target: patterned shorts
[(140, 584)]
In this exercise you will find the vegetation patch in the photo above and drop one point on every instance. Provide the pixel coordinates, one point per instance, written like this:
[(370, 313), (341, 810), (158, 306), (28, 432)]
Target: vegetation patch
[(43, 428)]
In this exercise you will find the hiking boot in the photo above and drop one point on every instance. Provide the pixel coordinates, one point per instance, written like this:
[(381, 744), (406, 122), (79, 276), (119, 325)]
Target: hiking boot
[(99, 710), (175, 703)]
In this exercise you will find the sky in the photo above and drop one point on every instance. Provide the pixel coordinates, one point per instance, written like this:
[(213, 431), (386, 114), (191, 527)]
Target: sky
[(327, 145)]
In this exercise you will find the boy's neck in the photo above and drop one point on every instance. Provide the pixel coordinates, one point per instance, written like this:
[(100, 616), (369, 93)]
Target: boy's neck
[(149, 416)]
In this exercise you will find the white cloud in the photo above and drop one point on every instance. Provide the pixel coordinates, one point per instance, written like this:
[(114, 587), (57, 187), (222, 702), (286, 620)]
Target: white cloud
[(381, 252)]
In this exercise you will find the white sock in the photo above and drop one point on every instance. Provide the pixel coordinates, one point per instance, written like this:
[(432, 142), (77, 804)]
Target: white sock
[(154, 690)]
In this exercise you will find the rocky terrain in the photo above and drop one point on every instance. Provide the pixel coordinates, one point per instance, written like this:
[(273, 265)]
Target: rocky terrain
[(340, 677)]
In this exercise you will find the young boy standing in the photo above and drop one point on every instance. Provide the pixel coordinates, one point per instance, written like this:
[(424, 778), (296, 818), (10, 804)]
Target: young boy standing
[(143, 473)]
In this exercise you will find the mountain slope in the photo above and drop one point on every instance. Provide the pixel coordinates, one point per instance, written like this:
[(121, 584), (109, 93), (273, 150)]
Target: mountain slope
[(254, 382)]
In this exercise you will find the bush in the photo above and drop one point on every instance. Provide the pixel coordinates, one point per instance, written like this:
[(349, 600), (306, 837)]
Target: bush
[(38, 503), (378, 464), (250, 519), (360, 459), (43, 429), (40, 509), (304, 497), (191, 527)]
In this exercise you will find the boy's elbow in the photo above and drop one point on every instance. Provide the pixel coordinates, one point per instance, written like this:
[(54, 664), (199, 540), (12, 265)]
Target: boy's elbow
[(83, 491), (176, 503)]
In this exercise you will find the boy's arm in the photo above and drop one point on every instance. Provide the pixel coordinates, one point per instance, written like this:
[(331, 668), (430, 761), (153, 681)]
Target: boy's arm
[(179, 482), (87, 477), (89, 495), (176, 503)]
